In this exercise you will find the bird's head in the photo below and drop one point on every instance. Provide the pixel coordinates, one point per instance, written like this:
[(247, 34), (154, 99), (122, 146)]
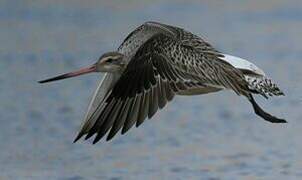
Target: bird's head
[(112, 62)]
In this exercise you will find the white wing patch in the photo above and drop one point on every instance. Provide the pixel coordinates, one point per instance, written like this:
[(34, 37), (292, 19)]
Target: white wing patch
[(240, 63)]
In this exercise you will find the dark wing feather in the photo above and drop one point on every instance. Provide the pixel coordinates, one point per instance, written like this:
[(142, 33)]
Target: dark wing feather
[(141, 90)]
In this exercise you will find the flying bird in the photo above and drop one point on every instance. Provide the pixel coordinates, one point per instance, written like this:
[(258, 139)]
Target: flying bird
[(155, 63)]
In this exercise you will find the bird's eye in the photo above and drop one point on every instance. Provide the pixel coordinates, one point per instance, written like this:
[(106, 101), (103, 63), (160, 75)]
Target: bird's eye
[(110, 60)]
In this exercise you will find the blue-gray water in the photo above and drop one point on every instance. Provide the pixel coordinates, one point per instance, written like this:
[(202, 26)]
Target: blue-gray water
[(214, 136)]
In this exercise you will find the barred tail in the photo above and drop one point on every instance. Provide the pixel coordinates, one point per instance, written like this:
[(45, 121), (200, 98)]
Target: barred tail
[(263, 85)]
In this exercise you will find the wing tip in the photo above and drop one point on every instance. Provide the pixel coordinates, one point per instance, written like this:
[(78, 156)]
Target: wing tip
[(110, 136), (78, 137), (96, 140)]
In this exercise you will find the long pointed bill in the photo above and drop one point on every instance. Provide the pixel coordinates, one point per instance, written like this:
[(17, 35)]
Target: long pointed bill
[(71, 74)]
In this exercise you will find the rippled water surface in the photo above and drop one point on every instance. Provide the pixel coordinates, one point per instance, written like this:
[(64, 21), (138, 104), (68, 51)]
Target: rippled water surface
[(215, 136)]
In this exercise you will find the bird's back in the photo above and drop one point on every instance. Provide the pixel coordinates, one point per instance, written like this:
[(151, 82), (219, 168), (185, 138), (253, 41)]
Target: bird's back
[(147, 30)]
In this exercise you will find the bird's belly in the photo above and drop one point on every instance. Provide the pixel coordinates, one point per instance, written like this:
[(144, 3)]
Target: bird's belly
[(198, 91)]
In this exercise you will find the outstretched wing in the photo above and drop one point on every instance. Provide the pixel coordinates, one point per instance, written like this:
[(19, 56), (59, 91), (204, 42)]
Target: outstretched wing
[(147, 84)]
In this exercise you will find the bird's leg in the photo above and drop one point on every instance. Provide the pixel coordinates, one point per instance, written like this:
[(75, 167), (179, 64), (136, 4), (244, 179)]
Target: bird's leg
[(266, 116)]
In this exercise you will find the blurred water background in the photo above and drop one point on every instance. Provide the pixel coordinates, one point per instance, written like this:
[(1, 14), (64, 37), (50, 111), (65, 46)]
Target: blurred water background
[(216, 136)]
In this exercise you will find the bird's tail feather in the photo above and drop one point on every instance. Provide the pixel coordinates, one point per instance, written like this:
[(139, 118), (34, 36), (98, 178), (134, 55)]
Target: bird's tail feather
[(263, 85)]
